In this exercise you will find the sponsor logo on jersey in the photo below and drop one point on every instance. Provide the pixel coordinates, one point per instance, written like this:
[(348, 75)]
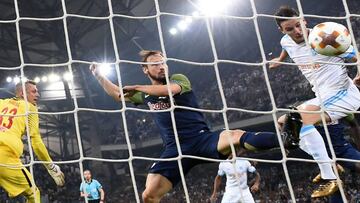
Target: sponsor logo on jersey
[(160, 105), (309, 66)]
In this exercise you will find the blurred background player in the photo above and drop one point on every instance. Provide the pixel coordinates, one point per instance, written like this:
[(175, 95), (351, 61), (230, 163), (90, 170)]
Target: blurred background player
[(237, 189), (91, 189), (336, 89), (15, 178)]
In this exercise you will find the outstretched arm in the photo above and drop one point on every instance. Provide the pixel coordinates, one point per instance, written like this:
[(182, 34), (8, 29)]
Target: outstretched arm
[(281, 58), (178, 84), (255, 187), (40, 150), (110, 88), (351, 57), (217, 184), (154, 90)]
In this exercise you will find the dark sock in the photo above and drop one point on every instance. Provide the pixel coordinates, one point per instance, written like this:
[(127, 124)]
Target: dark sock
[(255, 141)]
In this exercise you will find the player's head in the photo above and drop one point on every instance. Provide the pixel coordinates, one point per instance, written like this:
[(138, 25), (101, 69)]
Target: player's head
[(87, 175), (32, 93), (156, 72), (291, 27)]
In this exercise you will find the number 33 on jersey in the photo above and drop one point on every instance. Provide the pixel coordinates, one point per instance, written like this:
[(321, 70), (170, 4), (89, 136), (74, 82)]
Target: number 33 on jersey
[(13, 122)]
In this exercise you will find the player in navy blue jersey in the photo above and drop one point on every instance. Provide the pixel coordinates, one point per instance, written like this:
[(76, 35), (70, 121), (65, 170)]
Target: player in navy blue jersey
[(194, 134)]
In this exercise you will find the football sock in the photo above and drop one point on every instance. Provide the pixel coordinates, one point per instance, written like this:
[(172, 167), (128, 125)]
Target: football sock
[(313, 144)]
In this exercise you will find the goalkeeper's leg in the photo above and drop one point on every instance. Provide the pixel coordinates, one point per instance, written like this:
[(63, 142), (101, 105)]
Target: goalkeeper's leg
[(15, 178), (19, 182), (32, 195), (31, 192)]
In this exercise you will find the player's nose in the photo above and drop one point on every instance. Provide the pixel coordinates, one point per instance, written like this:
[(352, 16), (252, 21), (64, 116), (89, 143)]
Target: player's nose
[(298, 30)]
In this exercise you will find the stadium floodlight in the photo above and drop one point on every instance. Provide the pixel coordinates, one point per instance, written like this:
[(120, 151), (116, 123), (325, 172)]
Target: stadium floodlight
[(213, 7), (105, 69), (44, 78), (195, 14), (9, 79), (16, 79), (173, 31), (182, 25), (53, 77), (188, 19), (37, 79), (68, 76)]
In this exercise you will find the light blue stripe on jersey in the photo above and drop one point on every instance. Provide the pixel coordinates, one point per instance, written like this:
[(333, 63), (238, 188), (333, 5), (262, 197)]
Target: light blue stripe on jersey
[(306, 128), (335, 98), (350, 54)]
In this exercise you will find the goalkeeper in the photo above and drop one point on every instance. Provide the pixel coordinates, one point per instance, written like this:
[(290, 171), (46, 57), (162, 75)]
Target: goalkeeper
[(14, 177)]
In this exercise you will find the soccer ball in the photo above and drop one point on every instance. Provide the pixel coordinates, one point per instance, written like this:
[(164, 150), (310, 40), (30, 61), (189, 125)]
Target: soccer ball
[(330, 39)]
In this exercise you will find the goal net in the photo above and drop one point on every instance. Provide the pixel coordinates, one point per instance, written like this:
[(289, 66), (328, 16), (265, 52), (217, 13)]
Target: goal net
[(223, 47)]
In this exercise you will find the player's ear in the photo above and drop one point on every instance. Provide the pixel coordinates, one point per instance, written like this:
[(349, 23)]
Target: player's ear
[(19, 91), (280, 29), (305, 23), (145, 69)]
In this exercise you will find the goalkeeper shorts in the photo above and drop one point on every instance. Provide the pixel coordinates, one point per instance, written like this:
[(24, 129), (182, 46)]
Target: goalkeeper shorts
[(15, 178)]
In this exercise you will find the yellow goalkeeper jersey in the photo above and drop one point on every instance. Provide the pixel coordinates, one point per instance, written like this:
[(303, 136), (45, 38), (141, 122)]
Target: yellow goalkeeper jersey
[(13, 127)]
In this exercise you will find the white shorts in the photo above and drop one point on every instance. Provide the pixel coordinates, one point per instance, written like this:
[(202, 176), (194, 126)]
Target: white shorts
[(236, 196), (336, 103)]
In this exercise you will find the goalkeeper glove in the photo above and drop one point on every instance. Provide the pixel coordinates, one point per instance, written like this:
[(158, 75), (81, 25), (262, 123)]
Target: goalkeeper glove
[(56, 174)]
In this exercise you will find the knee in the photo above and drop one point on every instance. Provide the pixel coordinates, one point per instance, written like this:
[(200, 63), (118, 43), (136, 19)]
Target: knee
[(32, 195), (148, 197), (236, 135)]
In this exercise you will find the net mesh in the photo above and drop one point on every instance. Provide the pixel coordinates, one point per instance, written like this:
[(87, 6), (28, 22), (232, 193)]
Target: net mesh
[(216, 60)]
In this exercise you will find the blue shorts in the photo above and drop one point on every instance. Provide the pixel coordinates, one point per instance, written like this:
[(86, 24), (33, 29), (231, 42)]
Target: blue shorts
[(342, 147), (347, 152), (203, 145)]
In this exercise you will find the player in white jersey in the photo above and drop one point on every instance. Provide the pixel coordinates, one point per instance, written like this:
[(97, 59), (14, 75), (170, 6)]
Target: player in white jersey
[(236, 190), (332, 87)]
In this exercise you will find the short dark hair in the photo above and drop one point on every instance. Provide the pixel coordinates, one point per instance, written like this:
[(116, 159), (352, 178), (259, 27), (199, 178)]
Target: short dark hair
[(145, 54), (285, 11), (18, 86)]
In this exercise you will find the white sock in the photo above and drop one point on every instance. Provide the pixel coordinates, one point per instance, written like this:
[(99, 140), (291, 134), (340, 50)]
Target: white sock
[(313, 144)]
